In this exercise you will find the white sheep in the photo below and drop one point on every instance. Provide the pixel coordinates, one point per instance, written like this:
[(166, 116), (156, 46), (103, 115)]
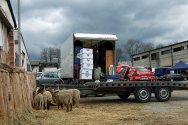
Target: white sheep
[(64, 98), (47, 96), (75, 93), (38, 101), (76, 97)]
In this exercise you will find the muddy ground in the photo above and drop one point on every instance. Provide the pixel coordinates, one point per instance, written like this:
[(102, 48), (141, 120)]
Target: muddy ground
[(110, 110)]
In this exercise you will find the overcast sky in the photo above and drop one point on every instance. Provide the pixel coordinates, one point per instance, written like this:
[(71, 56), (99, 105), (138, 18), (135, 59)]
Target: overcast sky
[(47, 23)]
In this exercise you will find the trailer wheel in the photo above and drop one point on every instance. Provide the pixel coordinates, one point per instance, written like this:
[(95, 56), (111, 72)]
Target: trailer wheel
[(99, 95), (163, 94), (84, 95), (124, 96), (142, 94)]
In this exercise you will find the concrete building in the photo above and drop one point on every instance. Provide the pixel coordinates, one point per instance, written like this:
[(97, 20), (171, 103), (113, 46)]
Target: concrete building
[(162, 57), (7, 25)]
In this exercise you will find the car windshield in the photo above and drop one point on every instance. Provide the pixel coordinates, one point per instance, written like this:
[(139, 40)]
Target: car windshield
[(39, 74), (142, 69), (53, 76)]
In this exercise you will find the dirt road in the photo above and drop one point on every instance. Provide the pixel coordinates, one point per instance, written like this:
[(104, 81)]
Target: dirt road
[(110, 110)]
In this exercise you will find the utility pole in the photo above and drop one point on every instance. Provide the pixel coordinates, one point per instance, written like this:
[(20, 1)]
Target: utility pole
[(19, 35)]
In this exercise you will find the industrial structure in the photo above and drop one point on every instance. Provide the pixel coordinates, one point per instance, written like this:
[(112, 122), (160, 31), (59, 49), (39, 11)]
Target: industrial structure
[(166, 56)]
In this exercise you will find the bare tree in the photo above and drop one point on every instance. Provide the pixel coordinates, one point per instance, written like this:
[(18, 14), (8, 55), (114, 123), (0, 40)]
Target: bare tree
[(50, 55), (159, 46), (44, 55), (147, 46), (131, 47), (134, 46), (171, 43)]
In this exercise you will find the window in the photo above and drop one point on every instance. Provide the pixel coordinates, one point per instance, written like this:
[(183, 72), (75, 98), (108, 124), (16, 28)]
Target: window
[(153, 56), (165, 52), (136, 59), (145, 56), (178, 49)]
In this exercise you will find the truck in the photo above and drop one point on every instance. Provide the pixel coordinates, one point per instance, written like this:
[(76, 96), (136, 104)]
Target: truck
[(74, 64), (102, 48)]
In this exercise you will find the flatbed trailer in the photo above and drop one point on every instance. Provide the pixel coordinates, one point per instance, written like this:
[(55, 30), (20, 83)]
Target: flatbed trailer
[(142, 90)]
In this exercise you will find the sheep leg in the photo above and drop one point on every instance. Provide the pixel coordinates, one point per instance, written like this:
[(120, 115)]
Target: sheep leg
[(48, 105), (58, 105), (67, 108), (70, 107)]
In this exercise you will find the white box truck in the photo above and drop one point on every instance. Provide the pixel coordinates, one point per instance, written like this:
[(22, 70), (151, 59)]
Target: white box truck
[(99, 52)]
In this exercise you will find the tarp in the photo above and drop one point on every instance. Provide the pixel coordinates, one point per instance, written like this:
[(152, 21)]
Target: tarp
[(180, 65)]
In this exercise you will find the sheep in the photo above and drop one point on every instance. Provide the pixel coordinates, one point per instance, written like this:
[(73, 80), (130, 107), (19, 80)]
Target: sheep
[(47, 96), (35, 92), (76, 97), (38, 101), (64, 98), (75, 93)]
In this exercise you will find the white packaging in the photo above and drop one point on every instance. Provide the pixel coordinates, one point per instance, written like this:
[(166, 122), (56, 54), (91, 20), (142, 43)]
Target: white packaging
[(86, 60), (85, 76), (86, 66), (111, 70), (86, 71), (86, 55), (86, 50)]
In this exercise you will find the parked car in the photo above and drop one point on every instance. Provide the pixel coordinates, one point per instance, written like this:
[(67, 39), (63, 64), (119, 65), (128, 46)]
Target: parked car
[(48, 78), (174, 77), (161, 71), (135, 73), (39, 74)]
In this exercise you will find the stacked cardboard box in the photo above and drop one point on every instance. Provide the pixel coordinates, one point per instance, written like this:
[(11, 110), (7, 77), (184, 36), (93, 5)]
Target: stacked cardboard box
[(86, 63)]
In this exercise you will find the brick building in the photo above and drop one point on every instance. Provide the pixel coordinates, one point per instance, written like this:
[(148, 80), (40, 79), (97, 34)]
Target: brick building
[(7, 26), (8, 38)]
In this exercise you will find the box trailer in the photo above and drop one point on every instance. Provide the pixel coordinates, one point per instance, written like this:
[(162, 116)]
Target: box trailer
[(99, 51), (82, 53)]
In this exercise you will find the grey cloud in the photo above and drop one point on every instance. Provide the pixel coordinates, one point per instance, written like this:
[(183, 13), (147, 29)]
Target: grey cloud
[(156, 21)]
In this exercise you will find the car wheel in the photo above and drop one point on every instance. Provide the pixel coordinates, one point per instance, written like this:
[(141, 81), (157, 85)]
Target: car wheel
[(142, 94), (163, 94)]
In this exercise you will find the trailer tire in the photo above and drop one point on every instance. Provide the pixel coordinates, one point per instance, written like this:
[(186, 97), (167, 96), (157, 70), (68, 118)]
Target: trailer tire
[(142, 94), (124, 96), (84, 95), (163, 94), (99, 95)]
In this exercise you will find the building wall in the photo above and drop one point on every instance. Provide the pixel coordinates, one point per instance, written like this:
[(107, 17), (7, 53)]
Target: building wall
[(6, 30), (25, 61), (5, 9), (166, 56)]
